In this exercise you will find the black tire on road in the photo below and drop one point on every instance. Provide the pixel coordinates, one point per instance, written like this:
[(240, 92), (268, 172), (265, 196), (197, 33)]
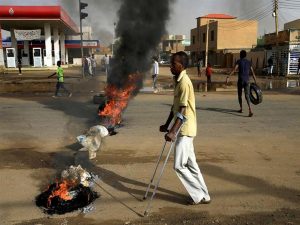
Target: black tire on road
[(99, 99)]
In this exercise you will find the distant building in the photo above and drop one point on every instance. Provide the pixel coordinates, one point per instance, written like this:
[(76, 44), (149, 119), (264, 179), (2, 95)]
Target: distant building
[(288, 47), (73, 47), (171, 44), (225, 34), (295, 24)]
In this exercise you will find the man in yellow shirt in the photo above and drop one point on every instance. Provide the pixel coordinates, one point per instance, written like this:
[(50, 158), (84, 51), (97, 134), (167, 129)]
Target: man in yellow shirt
[(60, 80), (184, 113)]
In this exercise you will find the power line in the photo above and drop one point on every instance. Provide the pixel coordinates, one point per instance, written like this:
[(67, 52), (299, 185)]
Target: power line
[(257, 17), (254, 15)]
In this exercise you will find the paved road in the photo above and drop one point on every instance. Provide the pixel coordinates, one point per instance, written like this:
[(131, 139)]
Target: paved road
[(251, 165)]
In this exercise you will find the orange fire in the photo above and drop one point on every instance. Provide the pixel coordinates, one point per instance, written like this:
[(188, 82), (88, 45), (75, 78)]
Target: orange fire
[(118, 100), (62, 191)]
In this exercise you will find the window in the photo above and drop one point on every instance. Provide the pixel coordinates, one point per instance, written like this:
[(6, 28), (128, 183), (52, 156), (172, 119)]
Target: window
[(212, 35), (204, 37), (193, 40)]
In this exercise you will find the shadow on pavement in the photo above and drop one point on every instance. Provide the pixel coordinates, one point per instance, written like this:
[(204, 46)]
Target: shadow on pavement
[(257, 185), (221, 110)]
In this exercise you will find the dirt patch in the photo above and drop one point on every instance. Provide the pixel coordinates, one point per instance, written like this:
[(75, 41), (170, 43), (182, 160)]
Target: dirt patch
[(123, 157), (174, 216), (126, 157), (24, 158)]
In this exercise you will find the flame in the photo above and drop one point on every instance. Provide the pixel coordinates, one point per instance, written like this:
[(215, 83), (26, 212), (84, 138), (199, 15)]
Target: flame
[(61, 191), (118, 99)]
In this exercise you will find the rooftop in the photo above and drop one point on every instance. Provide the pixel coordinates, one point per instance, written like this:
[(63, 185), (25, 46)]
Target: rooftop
[(34, 17), (217, 16)]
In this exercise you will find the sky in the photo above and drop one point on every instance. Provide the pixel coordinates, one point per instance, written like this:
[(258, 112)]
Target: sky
[(103, 13)]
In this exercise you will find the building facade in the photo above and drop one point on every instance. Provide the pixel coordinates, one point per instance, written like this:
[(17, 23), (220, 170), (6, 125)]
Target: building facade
[(171, 44), (40, 36), (221, 33), (288, 49)]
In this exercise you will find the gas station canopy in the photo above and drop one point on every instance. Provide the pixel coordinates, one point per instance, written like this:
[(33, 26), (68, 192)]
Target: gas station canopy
[(34, 17)]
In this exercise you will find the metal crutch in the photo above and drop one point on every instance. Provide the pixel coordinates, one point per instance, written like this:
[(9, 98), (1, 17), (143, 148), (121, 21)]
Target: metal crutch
[(157, 164), (157, 183)]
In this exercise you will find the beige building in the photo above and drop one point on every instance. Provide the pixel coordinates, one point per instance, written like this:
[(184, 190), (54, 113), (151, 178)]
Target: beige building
[(172, 43), (224, 33)]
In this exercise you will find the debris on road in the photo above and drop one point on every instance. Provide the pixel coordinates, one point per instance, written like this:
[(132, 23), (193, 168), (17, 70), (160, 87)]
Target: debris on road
[(91, 141)]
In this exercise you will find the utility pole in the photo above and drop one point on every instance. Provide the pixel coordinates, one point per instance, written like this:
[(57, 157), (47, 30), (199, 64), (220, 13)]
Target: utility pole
[(206, 43), (82, 15), (275, 13), (113, 41)]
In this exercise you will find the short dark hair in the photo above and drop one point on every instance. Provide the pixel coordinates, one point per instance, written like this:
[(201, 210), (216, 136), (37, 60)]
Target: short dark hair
[(58, 63), (184, 59), (243, 54)]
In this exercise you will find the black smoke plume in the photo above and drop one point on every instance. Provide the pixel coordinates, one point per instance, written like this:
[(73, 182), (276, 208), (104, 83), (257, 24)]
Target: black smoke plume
[(139, 30)]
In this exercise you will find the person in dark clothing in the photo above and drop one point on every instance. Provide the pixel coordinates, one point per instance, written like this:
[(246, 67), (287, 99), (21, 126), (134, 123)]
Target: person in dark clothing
[(20, 65), (243, 66), (270, 66)]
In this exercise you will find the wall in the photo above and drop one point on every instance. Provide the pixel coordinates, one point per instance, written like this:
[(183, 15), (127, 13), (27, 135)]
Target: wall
[(194, 47), (258, 59), (239, 34), (295, 36), (283, 37)]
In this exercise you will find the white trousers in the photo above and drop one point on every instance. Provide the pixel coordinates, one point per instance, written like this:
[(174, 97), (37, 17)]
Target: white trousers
[(270, 70), (188, 170)]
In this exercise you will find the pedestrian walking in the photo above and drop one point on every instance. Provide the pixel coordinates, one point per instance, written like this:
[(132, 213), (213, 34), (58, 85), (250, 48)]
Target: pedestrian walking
[(106, 64), (208, 73), (270, 66), (90, 68), (199, 66), (60, 80), (155, 72), (243, 66), (183, 112), (94, 65), (20, 65), (86, 62)]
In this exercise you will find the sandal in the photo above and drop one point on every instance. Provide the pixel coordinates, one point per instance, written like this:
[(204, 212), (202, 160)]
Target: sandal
[(203, 201)]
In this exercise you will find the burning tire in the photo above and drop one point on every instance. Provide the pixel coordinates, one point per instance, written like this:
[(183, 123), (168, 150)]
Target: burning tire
[(81, 197), (256, 96), (99, 99), (71, 193)]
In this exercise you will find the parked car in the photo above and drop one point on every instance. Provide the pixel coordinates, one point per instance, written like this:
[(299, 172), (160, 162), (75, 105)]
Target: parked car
[(163, 61)]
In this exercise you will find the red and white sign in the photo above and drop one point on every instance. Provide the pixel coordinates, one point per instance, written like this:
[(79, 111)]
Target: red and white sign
[(11, 11)]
